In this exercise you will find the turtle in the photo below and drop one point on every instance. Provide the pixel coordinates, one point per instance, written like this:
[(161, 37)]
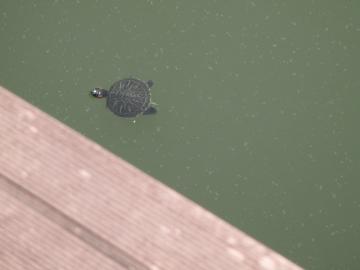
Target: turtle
[(128, 97)]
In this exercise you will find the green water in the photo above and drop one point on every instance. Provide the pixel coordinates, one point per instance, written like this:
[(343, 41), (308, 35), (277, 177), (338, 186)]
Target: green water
[(258, 104)]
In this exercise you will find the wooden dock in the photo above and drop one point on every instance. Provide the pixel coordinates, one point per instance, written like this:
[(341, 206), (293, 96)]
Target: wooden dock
[(67, 203)]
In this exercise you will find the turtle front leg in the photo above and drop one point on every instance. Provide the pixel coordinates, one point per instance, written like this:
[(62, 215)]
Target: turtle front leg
[(149, 83)]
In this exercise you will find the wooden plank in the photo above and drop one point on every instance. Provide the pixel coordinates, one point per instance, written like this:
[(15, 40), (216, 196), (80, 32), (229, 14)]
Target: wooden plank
[(27, 237), (111, 206)]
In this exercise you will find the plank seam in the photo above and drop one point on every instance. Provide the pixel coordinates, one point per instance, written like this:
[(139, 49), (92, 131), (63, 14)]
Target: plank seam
[(70, 225)]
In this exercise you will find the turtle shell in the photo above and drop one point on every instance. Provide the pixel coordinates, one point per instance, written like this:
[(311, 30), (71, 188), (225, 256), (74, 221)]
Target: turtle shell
[(128, 97)]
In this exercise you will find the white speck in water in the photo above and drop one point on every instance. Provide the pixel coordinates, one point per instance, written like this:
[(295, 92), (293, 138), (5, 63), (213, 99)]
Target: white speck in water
[(85, 174), (274, 183), (228, 34)]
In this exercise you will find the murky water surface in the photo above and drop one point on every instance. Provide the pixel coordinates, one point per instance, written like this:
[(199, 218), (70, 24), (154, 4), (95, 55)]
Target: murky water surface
[(258, 104)]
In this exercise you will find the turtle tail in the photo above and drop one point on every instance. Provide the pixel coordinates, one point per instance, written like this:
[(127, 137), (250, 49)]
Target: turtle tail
[(150, 110)]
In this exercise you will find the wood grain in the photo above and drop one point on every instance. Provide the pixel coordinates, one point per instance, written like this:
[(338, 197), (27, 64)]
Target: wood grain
[(100, 210)]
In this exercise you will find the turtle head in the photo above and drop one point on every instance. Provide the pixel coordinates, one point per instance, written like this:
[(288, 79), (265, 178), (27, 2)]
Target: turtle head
[(98, 92)]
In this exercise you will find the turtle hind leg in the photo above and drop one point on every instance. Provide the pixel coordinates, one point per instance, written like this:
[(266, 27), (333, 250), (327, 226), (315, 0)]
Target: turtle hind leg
[(150, 110)]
